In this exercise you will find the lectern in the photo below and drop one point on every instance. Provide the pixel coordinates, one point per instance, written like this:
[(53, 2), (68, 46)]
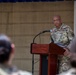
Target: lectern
[(48, 57)]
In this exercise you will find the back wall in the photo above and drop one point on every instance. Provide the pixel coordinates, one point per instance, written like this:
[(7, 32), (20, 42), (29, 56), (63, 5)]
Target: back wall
[(22, 21)]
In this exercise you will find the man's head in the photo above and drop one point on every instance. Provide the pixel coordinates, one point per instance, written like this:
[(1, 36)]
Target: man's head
[(6, 49), (57, 21)]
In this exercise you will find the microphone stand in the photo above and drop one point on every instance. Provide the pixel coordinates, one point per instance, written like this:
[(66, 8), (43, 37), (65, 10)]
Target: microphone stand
[(36, 36), (33, 54), (32, 64)]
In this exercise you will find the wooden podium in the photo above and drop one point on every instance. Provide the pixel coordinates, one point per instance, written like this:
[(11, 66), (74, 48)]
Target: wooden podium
[(48, 57)]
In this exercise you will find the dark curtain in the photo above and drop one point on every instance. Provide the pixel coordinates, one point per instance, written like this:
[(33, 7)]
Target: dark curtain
[(28, 0)]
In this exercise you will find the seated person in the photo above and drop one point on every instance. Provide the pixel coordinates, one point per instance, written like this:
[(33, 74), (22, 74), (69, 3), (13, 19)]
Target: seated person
[(6, 56)]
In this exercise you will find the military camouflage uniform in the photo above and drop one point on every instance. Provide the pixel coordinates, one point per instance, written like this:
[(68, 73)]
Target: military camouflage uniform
[(62, 37), (6, 70)]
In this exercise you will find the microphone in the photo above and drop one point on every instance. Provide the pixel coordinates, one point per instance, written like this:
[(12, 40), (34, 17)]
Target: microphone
[(40, 33)]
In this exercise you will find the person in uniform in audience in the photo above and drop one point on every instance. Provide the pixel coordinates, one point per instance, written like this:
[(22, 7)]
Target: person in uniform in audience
[(61, 35), (7, 51)]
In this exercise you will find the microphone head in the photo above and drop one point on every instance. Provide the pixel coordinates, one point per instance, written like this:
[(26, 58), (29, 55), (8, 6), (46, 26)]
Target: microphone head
[(50, 30)]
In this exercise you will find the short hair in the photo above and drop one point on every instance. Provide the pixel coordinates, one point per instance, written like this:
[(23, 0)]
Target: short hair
[(5, 48), (57, 16)]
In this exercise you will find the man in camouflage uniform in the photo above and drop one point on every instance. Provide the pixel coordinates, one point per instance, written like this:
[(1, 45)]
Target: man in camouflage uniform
[(6, 56), (62, 34)]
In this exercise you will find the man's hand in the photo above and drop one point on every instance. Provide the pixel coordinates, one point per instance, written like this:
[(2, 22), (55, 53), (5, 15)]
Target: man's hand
[(67, 52)]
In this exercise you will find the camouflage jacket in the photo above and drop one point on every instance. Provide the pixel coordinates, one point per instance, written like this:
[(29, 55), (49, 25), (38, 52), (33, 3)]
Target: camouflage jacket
[(62, 37), (4, 70)]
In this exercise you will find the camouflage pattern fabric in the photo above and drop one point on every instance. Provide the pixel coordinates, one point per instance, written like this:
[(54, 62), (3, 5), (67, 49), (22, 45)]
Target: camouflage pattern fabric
[(62, 37)]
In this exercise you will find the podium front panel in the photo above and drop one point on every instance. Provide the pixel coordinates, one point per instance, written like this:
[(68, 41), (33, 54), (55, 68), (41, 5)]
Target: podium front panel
[(39, 48)]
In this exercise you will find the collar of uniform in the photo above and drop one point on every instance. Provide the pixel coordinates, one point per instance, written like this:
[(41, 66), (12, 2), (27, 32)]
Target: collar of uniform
[(60, 27), (8, 69)]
